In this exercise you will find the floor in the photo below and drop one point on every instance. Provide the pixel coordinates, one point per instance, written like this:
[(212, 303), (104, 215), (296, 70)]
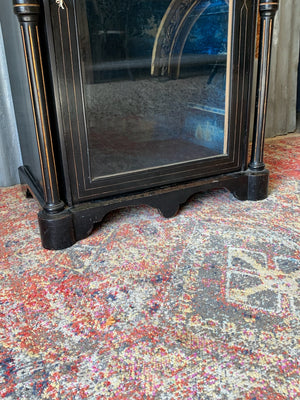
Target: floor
[(201, 306)]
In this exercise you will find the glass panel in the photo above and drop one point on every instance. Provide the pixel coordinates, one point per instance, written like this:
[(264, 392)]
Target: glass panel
[(155, 78)]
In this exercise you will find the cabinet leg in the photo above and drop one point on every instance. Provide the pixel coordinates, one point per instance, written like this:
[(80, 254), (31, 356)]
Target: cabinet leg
[(57, 230), (267, 9), (258, 183), (256, 187)]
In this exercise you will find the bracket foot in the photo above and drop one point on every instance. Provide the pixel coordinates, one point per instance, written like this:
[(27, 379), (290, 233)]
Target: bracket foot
[(57, 230), (257, 188)]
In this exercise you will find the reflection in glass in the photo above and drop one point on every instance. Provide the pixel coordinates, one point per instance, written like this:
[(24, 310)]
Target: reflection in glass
[(155, 80)]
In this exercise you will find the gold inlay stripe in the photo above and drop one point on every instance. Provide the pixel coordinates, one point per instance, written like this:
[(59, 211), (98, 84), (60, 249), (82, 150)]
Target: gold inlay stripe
[(47, 111), (26, 5), (41, 111), (269, 4), (228, 76), (75, 99), (33, 109), (67, 95)]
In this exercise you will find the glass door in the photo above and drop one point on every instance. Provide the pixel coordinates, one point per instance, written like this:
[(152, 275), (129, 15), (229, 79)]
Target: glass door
[(155, 82)]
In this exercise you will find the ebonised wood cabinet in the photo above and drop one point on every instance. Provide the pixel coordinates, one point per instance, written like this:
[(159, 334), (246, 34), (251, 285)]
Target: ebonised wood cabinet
[(141, 102)]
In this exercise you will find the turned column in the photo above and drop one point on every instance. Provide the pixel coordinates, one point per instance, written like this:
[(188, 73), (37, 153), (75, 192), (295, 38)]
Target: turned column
[(28, 13), (267, 9)]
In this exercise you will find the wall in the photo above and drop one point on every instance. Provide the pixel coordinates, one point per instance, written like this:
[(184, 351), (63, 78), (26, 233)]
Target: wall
[(281, 115), (10, 155), (15, 101)]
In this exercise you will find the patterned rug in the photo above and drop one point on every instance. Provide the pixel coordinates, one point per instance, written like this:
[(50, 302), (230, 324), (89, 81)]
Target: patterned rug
[(201, 306)]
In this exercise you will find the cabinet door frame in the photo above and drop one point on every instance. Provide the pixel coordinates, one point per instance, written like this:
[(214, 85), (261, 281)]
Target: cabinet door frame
[(61, 36)]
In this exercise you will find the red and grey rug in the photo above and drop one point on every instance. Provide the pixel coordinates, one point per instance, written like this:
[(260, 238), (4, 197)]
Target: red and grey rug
[(202, 306)]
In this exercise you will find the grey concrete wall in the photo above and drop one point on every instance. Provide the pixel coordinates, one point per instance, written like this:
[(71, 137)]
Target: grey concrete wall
[(15, 92), (10, 155), (281, 114)]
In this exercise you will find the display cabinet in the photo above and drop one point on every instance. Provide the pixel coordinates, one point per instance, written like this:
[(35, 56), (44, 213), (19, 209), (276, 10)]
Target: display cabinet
[(141, 102)]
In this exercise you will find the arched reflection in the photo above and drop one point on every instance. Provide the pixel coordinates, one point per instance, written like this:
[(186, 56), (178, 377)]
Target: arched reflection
[(172, 34)]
